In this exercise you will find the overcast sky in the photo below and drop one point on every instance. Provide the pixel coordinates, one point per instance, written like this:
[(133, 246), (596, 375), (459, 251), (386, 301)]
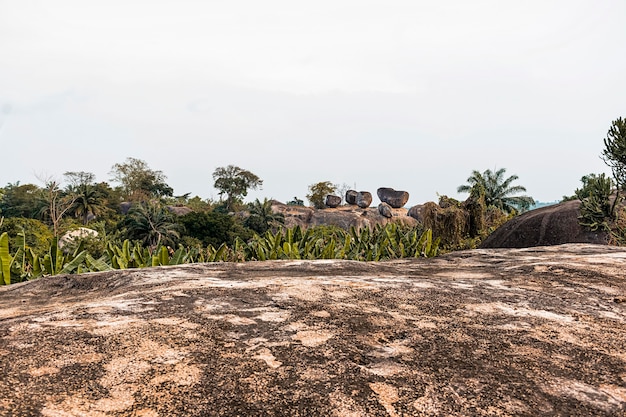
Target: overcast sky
[(411, 94)]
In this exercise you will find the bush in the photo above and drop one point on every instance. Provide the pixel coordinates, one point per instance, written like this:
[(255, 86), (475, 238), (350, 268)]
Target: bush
[(38, 236)]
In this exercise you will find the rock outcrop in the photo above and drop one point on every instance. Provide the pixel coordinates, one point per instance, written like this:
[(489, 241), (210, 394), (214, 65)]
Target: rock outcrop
[(80, 233), (395, 199), (332, 201), (518, 332), (552, 225), (351, 197), (363, 199), (385, 210), (342, 216)]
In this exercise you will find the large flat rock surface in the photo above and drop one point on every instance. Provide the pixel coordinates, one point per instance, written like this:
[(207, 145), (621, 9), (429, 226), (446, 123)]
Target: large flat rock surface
[(488, 332)]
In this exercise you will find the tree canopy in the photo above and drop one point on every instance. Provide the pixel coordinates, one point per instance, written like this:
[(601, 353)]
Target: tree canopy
[(497, 190), (614, 153), (235, 183), (139, 182), (318, 192)]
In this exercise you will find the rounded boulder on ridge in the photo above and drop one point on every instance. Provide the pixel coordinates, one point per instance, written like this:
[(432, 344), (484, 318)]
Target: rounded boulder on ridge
[(546, 226), (395, 199)]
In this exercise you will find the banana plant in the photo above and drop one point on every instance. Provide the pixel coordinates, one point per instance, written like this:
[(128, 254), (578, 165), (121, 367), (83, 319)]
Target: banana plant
[(5, 259)]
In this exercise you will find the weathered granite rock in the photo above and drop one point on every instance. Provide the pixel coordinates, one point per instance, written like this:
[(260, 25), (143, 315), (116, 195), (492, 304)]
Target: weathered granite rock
[(363, 199), (385, 210), (342, 216), (332, 201), (395, 199), (416, 212), (80, 233), (552, 225), (519, 332), (351, 197), (179, 210)]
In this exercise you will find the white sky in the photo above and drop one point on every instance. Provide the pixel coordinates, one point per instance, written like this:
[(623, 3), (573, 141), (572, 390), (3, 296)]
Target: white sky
[(412, 95)]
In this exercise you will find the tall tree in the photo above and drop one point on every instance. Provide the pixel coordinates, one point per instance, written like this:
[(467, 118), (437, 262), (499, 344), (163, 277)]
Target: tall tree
[(497, 190), (88, 201), (59, 204), (318, 192), (614, 155), (139, 182), (151, 223), (26, 200), (262, 217), (235, 183)]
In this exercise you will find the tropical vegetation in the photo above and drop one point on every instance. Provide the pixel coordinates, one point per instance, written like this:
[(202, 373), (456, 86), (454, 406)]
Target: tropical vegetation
[(497, 190), (140, 223)]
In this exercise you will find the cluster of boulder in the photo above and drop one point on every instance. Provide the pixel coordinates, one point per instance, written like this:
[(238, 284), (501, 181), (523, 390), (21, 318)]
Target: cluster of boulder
[(390, 199)]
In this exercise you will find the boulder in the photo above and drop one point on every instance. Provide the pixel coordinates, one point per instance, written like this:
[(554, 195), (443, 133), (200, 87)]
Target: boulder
[(343, 216), (80, 233), (179, 210), (363, 199), (351, 196), (395, 199), (416, 212), (333, 201), (385, 210), (551, 225)]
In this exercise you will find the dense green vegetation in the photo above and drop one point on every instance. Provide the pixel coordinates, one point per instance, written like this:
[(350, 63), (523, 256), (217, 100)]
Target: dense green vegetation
[(497, 191), (324, 242), (140, 223), (600, 195)]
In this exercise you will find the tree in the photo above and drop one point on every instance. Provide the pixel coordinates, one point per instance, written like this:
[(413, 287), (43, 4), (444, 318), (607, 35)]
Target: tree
[(498, 191), (139, 182), (318, 192), (152, 224), (59, 203), (88, 201), (209, 227), (235, 183), (22, 200), (262, 217), (295, 202), (594, 185), (614, 155), (77, 179)]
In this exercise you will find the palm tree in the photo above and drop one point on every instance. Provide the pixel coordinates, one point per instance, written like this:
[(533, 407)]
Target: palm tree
[(152, 224), (262, 216), (88, 202), (497, 190)]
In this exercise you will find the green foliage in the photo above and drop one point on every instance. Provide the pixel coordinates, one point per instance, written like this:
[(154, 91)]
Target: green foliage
[(210, 228), (614, 153), (318, 192), (22, 201), (594, 185), (152, 224), (139, 182), (325, 242), (235, 183), (596, 211), (262, 217), (295, 202), (497, 190), (5, 260), (30, 233), (88, 202)]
